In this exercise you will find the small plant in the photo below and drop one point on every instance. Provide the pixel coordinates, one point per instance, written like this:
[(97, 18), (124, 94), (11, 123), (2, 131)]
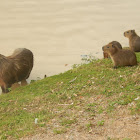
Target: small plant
[(100, 123), (91, 107), (111, 107), (76, 66), (126, 139), (59, 131), (136, 109), (88, 58), (100, 109), (32, 81), (67, 122), (89, 125), (92, 104), (126, 99), (108, 138)]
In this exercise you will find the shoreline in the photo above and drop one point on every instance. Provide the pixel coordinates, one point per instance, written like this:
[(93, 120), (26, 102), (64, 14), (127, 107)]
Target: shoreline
[(59, 32)]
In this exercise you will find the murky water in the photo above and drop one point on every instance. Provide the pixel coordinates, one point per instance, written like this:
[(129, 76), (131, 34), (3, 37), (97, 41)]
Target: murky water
[(59, 31)]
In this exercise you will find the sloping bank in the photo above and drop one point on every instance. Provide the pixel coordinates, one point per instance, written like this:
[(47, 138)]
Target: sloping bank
[(87, 100)]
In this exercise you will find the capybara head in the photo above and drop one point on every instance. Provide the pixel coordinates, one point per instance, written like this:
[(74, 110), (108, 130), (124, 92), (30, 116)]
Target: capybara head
[(129, 33), (110, 48), (116, 43)]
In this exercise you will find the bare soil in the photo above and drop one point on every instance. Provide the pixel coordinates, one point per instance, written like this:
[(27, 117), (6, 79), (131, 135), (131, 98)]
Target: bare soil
[(119, 126)]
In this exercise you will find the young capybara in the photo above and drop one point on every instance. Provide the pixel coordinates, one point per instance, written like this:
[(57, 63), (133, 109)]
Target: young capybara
[(134, 40), (120, 57), (15, 68), (113, 43)]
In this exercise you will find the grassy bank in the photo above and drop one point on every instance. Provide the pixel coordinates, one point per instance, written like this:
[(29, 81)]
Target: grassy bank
[(75, 97)]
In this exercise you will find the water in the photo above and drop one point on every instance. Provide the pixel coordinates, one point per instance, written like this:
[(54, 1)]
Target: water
[(58, 32)]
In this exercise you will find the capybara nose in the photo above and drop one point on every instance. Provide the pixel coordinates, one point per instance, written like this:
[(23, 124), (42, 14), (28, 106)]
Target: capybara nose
[(103, 48), (124, 33)]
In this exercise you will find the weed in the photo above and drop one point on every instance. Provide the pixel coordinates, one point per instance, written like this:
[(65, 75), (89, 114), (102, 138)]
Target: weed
[(100, 109), (67, 122), (100, 123), (88, 126), (111, 106), (126, 139), (59, 131)]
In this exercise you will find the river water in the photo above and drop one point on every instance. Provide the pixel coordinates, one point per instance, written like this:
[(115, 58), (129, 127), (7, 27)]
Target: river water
[(58, 32)]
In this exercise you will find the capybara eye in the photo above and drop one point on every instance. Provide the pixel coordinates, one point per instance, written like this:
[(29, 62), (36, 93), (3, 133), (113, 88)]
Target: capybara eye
[(127, 32), (107, 46), (131, 31)]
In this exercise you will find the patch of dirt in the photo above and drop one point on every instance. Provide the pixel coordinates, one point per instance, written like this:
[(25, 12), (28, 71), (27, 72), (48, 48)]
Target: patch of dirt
[(117, 127)]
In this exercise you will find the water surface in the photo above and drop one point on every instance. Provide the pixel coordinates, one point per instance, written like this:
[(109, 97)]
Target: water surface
[(58, 32)]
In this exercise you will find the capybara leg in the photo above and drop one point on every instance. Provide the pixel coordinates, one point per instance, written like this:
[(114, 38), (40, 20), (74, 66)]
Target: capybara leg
[(7, 89), (115, 67), (4, 89), (24, 82), (15, 85)]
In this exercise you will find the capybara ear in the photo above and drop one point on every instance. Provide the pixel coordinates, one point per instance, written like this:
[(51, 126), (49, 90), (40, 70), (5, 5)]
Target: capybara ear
[(113, 46)]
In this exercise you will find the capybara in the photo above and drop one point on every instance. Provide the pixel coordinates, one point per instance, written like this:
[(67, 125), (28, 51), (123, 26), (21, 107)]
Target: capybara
[(15, 68), (113, 43), (120, 57), (134, 40)]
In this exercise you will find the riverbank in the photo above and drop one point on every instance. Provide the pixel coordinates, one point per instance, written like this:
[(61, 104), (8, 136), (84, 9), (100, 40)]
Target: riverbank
[(58, 32), (91, 101)]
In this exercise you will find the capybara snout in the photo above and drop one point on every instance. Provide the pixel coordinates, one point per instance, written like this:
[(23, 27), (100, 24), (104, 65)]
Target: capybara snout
[(124, 33)]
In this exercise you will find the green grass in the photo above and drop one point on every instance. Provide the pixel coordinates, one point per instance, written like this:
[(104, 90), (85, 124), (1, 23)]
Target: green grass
[(89, 126), (92, 89), (118, 139), (59, 131), (100, 123), (67, 122)]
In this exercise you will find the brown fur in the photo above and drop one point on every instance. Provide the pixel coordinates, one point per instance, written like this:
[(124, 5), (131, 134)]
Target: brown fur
[(15, 68), (113, 43), (24, 82), (134, 40), (120, 57), (15, 85)]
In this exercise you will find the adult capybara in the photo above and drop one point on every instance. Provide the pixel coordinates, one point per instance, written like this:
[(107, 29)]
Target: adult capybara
[(15, 68), (113, 43), (120, 57), (134, 40)]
